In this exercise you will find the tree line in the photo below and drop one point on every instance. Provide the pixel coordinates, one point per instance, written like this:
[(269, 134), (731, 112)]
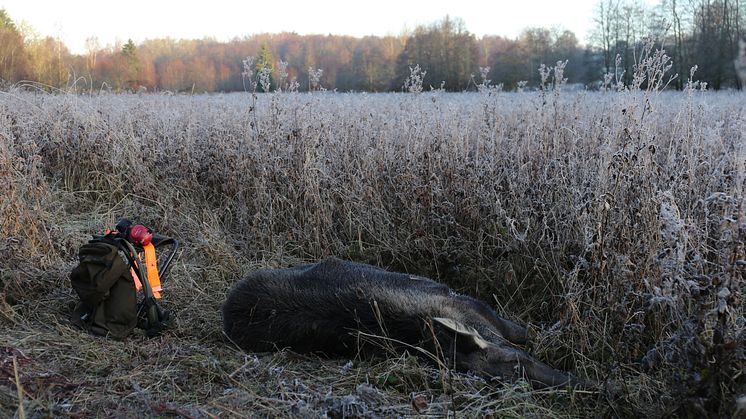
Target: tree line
[(701, 32)]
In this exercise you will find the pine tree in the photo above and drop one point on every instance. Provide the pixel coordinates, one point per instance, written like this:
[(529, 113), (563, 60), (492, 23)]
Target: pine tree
[(130, 65), (264, 68)]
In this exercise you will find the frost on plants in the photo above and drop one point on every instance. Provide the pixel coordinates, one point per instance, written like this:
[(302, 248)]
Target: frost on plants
[(413, 82), (611, 222), (314, 79)]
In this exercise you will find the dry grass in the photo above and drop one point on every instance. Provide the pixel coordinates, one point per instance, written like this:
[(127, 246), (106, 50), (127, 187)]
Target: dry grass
[(613, 223)]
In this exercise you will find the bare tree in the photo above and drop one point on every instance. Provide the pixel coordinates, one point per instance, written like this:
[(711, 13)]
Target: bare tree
[(740, 63)]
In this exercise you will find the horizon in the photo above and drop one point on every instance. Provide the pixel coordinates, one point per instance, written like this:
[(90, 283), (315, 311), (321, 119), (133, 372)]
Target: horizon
[(75, 23)]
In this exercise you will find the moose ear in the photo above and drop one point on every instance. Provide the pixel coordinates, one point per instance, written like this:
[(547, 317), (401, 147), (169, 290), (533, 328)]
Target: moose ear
[(462, 330)]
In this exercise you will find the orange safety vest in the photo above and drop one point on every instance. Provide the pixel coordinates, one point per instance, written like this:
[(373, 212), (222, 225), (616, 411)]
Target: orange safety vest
[(151, 268)]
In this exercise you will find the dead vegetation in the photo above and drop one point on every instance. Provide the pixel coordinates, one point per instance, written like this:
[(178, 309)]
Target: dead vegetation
[(612, 223)]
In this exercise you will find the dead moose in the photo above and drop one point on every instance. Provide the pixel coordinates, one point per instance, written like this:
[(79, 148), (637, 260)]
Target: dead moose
[(334, 307)]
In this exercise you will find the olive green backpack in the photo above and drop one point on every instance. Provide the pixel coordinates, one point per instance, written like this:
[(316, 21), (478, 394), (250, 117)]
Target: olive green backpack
[(104, 283), (103, 279)]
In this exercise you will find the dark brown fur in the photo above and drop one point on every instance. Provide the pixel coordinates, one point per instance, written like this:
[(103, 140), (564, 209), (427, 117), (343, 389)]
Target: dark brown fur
[(327, 307)]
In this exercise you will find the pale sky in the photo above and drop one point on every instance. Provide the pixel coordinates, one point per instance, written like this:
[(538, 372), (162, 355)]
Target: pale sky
[(76, 20)]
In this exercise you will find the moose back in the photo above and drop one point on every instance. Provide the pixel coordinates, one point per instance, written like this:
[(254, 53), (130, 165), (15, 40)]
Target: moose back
[(342, 308)]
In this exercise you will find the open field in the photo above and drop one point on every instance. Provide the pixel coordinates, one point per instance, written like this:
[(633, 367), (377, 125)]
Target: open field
[(612, 223)]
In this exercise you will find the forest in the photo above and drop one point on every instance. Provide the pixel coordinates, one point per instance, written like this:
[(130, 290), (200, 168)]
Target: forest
[(697, 32)]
